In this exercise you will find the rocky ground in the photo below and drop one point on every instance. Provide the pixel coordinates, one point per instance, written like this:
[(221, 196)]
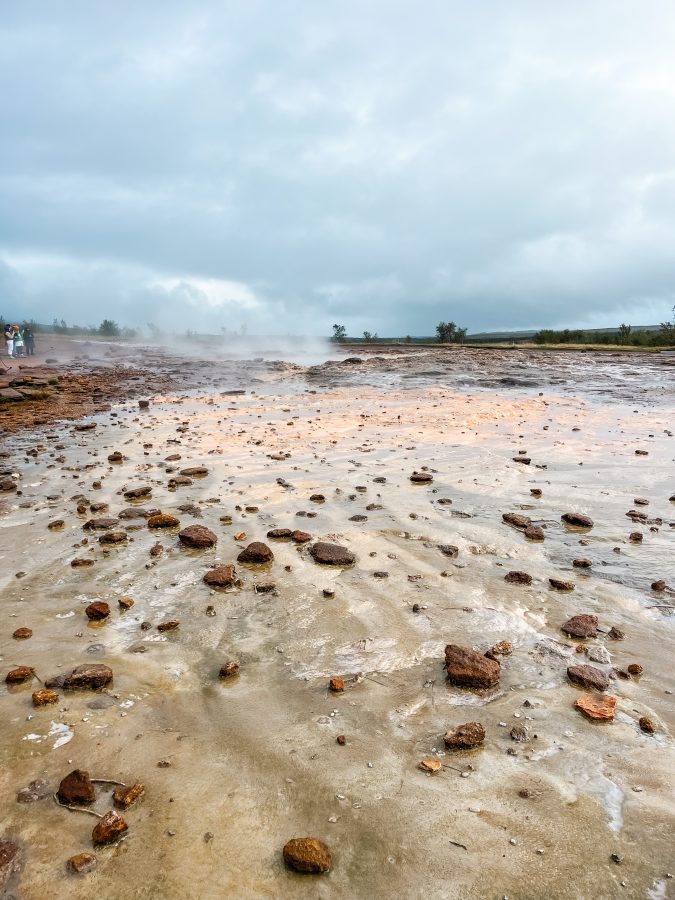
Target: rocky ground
[(397, 626)]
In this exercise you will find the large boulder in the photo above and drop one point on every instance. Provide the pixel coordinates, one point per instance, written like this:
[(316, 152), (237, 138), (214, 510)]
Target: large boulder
[(468, 668)]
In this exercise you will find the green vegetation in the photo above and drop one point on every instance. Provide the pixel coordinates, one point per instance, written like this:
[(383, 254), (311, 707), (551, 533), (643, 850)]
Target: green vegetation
[(339, 334), (449, 333)]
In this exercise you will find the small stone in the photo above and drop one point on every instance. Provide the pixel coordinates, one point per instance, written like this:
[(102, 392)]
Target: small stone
[(582, 563), (113, 537), (20, 675), (197, 537), (163, 520), (465, 737), (332, 554), (36, 790), (520, 734), (577, 520), (517, 577), (588, 677), (516, 520), (659, 585), (647, 725), (615, 634), (581, 626), (467, 668), (221, 576), (97, 610), (108, 829), (558, 585), (341, 740), (635, 537), (123, 797), (82, 863), (22, 634), (634, 669), (229, 669), (534, 533), (11, 860), (76, 788), (256, 553), (429, 764), (307, 855), (336, 684), (88, 675), (597, 707), (125, 602), (421, 478), (169, 625), (44, 697)]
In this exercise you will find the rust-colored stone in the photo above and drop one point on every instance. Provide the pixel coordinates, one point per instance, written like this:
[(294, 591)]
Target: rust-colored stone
[(597, 707), (307, 855), (108, 829)]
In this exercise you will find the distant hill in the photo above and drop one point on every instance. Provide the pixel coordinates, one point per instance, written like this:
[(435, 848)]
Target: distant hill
[(525, 335)]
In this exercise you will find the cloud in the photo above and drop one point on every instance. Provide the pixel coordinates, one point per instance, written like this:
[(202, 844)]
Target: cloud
[(287, 166)]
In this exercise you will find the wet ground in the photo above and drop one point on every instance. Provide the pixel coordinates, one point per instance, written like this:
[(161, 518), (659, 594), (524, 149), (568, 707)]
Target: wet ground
[(234, 768)]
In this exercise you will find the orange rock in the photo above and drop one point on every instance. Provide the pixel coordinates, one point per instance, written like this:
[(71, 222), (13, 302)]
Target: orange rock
[(44, 697), (430, 765), (597, 707), (109, 828)]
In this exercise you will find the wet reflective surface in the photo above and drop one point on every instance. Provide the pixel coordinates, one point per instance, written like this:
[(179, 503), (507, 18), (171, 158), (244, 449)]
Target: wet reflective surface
[(253, 761)]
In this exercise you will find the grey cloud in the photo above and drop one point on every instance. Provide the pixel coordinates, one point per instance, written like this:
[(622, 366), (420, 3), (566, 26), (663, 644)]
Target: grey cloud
[(383, 164)]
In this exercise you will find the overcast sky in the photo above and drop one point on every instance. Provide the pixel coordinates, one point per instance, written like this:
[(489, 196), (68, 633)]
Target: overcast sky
[(287, 164)]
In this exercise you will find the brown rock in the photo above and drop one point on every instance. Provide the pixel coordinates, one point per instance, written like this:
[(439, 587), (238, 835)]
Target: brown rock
[(195, 471), (81, 562), (115, 457), (516, 520), (421, 478), (279, 534), (163, 520), (11, 860), (113, 537), (534, 533), (336, 684), (97, 610), (89, 675), (22, 634), (581, 626), (559, 585), (518, 578), (56, 524), (615, 634), (659, 585), (20, 675), (82, 863), (44, 697), (634, 669), (108, 829), (588, 677), (99, 524), (123, 797), (137, 493), (520, 734), (332, 554), (467, 736), (197, 536), (647, 725), (317, 498), (300, 537), (341, 739), (256, 553), (76, 788), (180, 481), (598, 707), (635, 537), (468, 668), (169, 625), (449, 550), (501, 648), (577, 520), (307, 855), (229, 669), (220, 576), (125, 602), (582, 563), (429, 764)]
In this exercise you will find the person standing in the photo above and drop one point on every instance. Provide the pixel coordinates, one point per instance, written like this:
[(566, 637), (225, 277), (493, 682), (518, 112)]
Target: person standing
[(18, 342), (29, 340), (9, 340)]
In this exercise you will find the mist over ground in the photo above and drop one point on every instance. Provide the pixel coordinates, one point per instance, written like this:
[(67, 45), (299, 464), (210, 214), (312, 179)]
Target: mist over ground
[(387, 166)]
